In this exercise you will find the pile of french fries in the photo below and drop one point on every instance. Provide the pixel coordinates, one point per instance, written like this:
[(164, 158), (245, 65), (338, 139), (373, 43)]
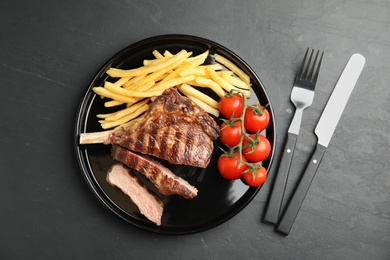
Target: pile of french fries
[(135, 87)]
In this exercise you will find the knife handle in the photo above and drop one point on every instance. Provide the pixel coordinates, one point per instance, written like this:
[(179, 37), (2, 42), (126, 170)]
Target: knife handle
[(272, 212), (293, 206)]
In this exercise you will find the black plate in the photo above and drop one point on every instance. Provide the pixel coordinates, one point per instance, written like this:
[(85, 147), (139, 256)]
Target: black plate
[(218, 199)]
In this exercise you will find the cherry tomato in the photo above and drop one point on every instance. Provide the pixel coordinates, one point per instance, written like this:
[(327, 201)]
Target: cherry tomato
[(230, 135), (256, 118), (260, 149), (228, 166), (256, 177), (231, 106)]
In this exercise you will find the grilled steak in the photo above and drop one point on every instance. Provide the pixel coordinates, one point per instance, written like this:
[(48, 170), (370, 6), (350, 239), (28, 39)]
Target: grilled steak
[(174, 129), (148, 203), (165, 181)]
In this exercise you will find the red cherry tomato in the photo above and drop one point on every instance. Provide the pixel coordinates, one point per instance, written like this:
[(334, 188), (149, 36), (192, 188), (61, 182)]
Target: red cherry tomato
[(228, 166), (256, 118), (256, 177), (230, 135), (258, 151), (231, 106)]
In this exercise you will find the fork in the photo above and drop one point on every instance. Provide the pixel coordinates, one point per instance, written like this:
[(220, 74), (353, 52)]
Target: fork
[(302, 95)]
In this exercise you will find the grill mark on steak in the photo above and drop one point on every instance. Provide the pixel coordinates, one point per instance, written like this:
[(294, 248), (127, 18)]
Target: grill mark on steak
[(176, 145), (147, 202), (153, 136), (200, 153), (139, 141), (188, 145), (163, 145), (138, 164), (165, 181)]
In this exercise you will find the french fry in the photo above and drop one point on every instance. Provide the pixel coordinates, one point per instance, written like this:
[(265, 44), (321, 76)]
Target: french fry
[(125, 119), (188, 63), (134, 80), (144, 87), (209, 83), (129, 123), (130, 94), (214, 66), (219, 80), (175, 73), (197, 60), (124, 92), (200, 70), (155, 75), (197, 71), (190, 91), (157, 54), (163, 76), (204, 106), (123, 112), (113, 103), (155, 61), (167, 54), (228, 64), (118, 73), (235, 81), (223, 83), (109, 94), (121, 81), (104, 116), (225, 72), (172, 82)]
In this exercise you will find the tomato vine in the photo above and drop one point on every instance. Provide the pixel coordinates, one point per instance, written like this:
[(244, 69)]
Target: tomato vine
[(252, 148)]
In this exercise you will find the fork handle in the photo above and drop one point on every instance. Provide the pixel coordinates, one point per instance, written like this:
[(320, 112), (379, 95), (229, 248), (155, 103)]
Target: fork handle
[(272, 212), (294, 205)]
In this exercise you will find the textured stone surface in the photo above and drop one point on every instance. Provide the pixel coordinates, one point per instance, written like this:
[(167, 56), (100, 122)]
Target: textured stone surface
[(51, 49)]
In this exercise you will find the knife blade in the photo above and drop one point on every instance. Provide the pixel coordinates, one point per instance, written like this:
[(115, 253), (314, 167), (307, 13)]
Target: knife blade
[(324, 131)]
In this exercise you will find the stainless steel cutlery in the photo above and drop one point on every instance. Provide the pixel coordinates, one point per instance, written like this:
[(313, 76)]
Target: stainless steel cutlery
[(324, 131)]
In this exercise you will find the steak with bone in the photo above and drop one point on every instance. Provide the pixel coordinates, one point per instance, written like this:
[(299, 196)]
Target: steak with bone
[(174, 129), (147, 202), (165, 181)]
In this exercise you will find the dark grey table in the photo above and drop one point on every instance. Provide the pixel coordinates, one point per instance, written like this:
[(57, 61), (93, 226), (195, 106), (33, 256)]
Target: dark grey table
[(50, 50)]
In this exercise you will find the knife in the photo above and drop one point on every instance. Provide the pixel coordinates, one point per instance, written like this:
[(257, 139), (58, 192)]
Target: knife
[(324, 131)]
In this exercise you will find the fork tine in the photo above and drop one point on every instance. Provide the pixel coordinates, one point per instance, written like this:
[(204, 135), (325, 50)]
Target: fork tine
[(308, 66), (312, 69), (301, 69), (315, 76)]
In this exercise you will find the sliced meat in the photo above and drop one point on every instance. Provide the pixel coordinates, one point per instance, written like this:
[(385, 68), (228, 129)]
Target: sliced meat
[(148, 203), (165, 181)]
